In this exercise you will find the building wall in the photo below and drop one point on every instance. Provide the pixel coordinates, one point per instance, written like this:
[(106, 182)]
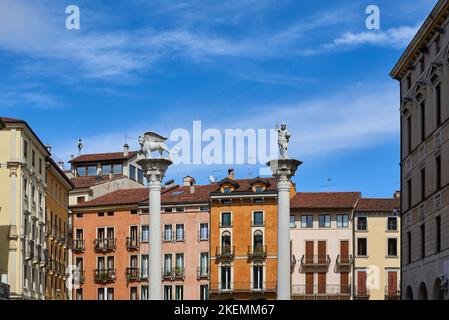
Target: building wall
[(420, 274), (57, 248), (377, 263), (332, 236), (16, 209), (242, 237)]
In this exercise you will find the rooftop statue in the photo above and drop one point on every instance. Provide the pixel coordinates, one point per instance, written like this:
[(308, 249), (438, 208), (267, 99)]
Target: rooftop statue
[(152, 141), (283, 139)]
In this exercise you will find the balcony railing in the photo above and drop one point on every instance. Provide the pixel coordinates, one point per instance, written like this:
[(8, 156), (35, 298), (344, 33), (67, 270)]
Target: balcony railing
[(257, 251), (361, 293), (392, 293), (243, 287), (344, 261), (202, 273), (168, 274), (315, 260), (132, 243), (79, 276), (132, 273), (321, 290), (105, 244), (225, 252), (104, 275), (179, 273), (78, 245)]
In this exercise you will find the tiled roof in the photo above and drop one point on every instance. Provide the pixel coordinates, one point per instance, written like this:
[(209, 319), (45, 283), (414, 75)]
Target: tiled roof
[(182, 194), (5, 119), (86, 182), (111, 156), (324, 200), (378, 205), (119, 197), (245, 184)]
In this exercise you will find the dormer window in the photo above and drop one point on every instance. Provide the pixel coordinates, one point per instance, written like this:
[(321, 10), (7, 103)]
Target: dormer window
[(115, 168)]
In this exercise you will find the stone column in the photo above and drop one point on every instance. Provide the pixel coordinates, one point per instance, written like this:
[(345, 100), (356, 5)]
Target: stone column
[(154, 171), (283, 170)]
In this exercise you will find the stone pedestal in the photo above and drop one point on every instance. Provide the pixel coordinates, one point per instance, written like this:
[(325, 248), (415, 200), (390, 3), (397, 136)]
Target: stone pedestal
[(154, 171), (283, 170)]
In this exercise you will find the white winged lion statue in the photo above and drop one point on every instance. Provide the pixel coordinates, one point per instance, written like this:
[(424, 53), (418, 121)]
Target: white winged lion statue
[(152, 141)]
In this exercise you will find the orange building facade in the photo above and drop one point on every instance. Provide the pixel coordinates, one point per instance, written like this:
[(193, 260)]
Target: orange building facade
[(243, 241)]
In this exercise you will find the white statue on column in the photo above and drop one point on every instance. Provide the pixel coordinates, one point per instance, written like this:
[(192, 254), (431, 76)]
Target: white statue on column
[(152, 141), (283, 139)]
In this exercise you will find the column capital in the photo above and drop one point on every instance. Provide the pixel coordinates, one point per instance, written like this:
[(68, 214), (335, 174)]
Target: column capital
[(283, 170), (154, 170)]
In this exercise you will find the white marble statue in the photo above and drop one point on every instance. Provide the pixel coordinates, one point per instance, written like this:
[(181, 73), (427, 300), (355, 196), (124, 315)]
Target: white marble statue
[(283, 139), (152, 141)]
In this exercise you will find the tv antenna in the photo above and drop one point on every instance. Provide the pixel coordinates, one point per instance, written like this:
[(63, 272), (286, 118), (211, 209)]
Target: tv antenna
[(328, 185)]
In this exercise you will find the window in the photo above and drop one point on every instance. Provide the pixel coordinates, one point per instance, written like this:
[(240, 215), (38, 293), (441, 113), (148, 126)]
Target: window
[(25, 187), (204, 292), (362, 247), (133, 293), (100, 294), (423, 120), (179, 292), (437, 45), (362, 223), (168, 293), (438, 233), (33, 158), (422, 63), (392, 224), (409, 193), (110, 213), (438, 172), (258, 240), (79, 294), (81, 171), (179, 209), (40, 166), (168, 234), (258, 218), (80, 199), (423, 184), (140, 176), (25, 149), (132, 172), (92, 170), (259, 189), (145, 233), (144, 266), (115, 168), (204, 209), (179, 264), (144, 293), (226, 219), (409, 247), (409, 82), (306, 221), (324, 221), (409, 134), (392, 247), (257, 276), (438, 104), (292, 222), (101, 214), (227, 190), (342, 221), (204, 263), (168, 264), (204, 231), (225, 273), (423, 241), (110, 293)]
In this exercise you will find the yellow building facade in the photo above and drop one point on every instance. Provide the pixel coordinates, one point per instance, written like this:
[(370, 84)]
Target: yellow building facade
[(377, 226), (22, 210), (58, 250)]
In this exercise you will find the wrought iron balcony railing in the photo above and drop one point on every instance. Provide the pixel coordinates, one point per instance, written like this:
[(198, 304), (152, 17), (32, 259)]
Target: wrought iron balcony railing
[(361, 292), (132, 273), (132, 243), (321, 290), (225, 252), (392, 293), (105, 244), (315, 260), (239, 287), (257, 252), (104, 275), (202, 273), (345, 260), (78, 245)]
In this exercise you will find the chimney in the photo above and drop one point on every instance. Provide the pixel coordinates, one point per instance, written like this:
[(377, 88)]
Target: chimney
[(170, 183), (61, 165), (188, 181), (125, 150), (397, 194), (231, 174), (192, 189)]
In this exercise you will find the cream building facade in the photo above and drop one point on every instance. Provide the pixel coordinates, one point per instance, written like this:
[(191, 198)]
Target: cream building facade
[(377, 249), (22, 210), (423, 72)]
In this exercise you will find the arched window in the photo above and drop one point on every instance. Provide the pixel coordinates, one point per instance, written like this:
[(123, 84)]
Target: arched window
[(225, 272), (257, 275), (258, 239), (226, 239)]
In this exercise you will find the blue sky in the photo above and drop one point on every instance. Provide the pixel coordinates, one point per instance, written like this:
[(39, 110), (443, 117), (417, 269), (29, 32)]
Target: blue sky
[(158, 65)]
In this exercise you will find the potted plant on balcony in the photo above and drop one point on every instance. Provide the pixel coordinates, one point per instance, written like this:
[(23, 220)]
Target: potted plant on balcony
[(178, 272)]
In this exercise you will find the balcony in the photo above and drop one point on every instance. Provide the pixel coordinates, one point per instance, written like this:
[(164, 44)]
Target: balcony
[(79, 276), (78, 245), (225, 252), (243, 287), (105, 244), (29, 249), (321, 292), (168, 274), (37, 254), (392, 294), (202, 273), (104, 275), (44, 258), (179, 273), (257, 252), (132, 243), (315, 261), (344, 262), (132, 273), (361, 293)]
